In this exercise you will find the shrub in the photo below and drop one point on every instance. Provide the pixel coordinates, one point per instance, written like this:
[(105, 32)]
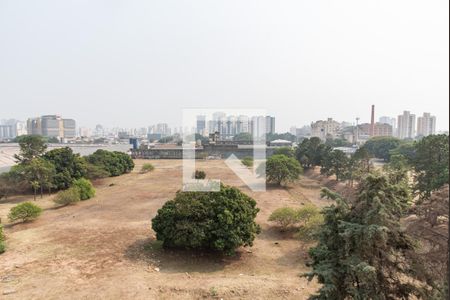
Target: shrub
[(147, 167), (220, 221), (307, 212), (69, 196), (25, 211), (311, 219), (199, 174), (247, 161), (285, 217), (310, 228), (85, 188)]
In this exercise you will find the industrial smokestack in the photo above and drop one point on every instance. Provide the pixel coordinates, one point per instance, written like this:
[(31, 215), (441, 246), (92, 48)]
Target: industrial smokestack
[(372, 122)]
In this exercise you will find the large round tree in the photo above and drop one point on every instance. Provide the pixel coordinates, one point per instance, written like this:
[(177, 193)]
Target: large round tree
[(220, 221), (282, 169)]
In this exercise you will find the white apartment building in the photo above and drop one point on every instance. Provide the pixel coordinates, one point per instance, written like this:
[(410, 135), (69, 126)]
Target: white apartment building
[(426, 125), (406, 125)]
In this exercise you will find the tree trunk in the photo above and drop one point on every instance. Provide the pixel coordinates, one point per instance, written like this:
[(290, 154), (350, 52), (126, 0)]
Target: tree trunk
[(34, 194)]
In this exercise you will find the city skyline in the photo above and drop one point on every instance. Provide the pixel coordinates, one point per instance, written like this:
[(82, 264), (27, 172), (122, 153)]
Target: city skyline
[(130, 65), (381, 118)]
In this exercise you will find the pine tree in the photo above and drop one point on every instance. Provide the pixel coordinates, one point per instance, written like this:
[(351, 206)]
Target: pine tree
[(362, 250)]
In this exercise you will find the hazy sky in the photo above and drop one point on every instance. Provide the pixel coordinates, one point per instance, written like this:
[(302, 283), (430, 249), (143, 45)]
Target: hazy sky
[(136, 63)]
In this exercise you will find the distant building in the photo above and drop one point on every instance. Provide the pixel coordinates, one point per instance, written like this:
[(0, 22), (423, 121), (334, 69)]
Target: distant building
[(161, 129), (52, 126), (152, 137), (270, 124), (390, 121), (10, 129), (230, 126), (7, 132), (325, 129), (379, 129), (406, 124), (201, 125), (84, 132), (426, 125), (70, 129), (303, 131)]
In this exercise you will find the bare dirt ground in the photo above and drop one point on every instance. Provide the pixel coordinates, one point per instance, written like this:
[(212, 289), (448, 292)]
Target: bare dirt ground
[(104, 248)]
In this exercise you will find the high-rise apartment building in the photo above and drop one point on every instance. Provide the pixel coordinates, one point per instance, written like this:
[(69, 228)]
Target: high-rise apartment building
[(201, 125), (9, 129), (52, 126), (230, 126), (426, 125), (161, 129), (406, 124), (387, 120), (270, 124)]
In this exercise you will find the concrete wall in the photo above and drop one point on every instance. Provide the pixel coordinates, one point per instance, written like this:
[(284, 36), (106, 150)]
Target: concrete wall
[(223, 152)]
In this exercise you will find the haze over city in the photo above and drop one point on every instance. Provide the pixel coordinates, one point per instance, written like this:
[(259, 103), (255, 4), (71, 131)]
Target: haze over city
[(140, 63)]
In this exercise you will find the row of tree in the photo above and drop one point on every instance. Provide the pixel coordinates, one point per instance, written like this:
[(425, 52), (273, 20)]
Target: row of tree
[(57, 169), (427, 158), (366, 249)]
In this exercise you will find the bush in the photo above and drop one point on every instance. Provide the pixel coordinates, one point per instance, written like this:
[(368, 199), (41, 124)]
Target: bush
[(199, 174), (69, 196), (311, 219), (308, 216), (147, 167), (247, 161), (220, 221), (285, 217), (25, 211), (85, 188)]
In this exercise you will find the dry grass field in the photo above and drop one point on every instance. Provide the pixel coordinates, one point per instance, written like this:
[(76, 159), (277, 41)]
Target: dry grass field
[(104, 248)]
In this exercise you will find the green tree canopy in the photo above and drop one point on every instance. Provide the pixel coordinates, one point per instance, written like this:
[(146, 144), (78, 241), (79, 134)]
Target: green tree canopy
[(243, 137), (31, 146), (362, 252), (221, 221), (430, 163), (311, 152), (381, 146), (38, 173), (336, 163), (68, 165), (115, 163), (288, 151), (282, 169), (337, 142)]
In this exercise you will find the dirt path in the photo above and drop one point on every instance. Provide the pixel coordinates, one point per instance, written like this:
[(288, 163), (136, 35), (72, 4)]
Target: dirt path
[(104, 248)]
